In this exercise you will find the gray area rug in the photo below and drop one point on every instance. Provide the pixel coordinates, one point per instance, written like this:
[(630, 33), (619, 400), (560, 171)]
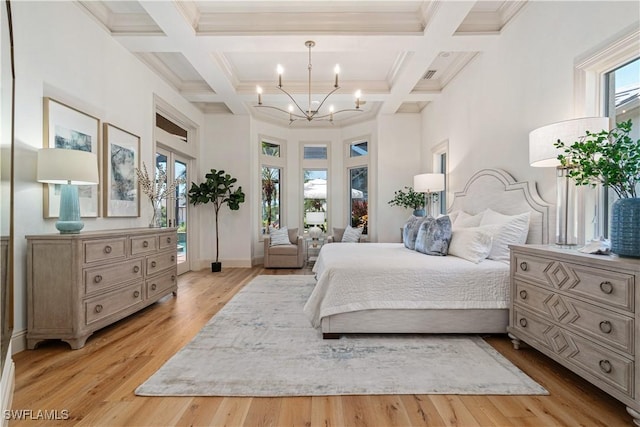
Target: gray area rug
[(261, 344)]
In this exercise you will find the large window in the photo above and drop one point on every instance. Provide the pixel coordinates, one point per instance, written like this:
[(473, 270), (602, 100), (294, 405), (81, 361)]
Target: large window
[(271, 184), (315, 185), (622, 97)]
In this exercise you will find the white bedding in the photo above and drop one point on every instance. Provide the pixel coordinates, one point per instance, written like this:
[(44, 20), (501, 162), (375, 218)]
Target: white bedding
[(362, 276)]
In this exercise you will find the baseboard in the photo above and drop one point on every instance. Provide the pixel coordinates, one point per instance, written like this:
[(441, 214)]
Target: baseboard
[(7, 386), (19, 341), (227, 263)]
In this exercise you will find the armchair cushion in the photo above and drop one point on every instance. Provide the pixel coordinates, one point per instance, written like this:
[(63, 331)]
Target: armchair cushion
[(279, 236)]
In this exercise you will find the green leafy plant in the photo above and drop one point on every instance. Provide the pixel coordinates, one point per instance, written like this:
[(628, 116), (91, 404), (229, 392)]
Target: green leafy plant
[(611, 158), (407, 198), (217, 189)]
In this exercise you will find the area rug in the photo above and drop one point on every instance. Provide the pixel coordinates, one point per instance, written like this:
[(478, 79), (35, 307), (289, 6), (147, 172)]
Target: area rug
[(261, 344)]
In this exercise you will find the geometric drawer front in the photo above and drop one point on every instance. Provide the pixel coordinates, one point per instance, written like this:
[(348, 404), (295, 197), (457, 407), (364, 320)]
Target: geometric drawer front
[(103, 277)]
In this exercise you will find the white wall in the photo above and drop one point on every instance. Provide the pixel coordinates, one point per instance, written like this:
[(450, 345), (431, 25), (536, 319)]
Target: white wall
[(525, 81), (60, 52)]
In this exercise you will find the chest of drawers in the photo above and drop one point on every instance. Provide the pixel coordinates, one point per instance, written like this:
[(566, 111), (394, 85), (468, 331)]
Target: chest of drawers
[(79, 283), (583, 311)]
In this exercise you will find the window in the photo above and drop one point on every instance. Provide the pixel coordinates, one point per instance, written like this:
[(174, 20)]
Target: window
[(440, 165), (357, 163), (622, 102), (315, 186), (271, 184)]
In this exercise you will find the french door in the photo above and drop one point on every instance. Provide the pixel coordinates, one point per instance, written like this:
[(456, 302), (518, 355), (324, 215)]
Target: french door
[(174, 209)]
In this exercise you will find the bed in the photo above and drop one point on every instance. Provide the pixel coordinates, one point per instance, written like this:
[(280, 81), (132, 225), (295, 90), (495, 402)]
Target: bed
[(387, 288)]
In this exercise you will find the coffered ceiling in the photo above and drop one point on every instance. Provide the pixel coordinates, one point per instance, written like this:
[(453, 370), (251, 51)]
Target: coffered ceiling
[(400, 54)]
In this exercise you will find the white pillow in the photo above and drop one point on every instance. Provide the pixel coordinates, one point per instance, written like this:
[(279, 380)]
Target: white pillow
[(472, 244), (465, 220), (453, 216), (279, 236), (509, 230), (351, 235)]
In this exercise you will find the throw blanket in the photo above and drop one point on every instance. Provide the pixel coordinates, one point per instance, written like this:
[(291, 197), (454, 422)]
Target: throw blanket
[(363, 276)]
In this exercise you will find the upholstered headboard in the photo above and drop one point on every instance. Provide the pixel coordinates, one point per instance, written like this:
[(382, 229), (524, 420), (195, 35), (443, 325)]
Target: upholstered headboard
[(498, 190)]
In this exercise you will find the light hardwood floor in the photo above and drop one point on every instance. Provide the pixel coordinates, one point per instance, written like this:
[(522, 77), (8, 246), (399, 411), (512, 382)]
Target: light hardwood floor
[(96, 383)]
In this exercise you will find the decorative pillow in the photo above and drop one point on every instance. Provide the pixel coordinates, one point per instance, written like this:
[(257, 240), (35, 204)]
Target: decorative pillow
[(509, 230), (465, 220), (279, 236), (410, 231), (453, 216), (434, 236), (472, 244), (351, 235), (337, 234), (293, 236)]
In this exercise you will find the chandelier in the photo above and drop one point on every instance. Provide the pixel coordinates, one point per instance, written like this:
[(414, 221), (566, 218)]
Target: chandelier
[(313, 107)]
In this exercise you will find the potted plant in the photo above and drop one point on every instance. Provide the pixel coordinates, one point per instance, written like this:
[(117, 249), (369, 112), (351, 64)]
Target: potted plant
[(611, 158), (407, 198), (217, 189)]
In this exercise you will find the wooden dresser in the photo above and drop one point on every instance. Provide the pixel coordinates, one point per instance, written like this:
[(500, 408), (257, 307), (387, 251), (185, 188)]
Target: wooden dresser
[(79, 283), (583, 312)]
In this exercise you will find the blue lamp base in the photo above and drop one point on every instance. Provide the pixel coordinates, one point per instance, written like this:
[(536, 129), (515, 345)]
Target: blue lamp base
[(69, 222)]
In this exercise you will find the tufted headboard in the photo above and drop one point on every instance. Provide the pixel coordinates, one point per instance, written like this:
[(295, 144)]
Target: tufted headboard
[(498, 190)]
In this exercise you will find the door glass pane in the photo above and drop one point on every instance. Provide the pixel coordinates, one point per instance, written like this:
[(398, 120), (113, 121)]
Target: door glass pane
[(315, 198), (161, 165), (359, 196), (271, 198), (180, 211)]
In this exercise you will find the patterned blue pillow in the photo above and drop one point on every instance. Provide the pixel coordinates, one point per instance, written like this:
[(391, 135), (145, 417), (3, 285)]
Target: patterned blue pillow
[(410, 231), (434, 236)]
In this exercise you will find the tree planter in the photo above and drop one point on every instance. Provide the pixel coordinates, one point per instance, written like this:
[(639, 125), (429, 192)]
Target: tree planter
[(216, 267), (625, 227)]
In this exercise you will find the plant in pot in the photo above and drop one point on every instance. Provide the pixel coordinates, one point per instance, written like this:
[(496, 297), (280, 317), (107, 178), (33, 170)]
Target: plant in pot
[(611, 158), (217, 189), (407, 198)]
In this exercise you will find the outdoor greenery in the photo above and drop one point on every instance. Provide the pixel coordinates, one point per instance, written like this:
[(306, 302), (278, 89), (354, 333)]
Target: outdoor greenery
[(611, 158), (270, 186), (217, 189), (407, 198)]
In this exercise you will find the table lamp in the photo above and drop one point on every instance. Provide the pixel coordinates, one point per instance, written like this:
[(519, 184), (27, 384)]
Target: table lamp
[(315, 218), (428, 183), (69, 168), (543, 153)]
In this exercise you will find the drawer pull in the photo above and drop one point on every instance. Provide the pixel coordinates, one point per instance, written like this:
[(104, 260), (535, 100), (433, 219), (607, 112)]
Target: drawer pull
[(606, 287), (136, 294), (524, 266), (98, 308), (136, 268), (173, 258), (107, 249), (173, 278), (523, 294), (153, 287), (97, 279), (153, 264), (168, 239), (145, 244), (605, 366), (606, 327), (523, 322)]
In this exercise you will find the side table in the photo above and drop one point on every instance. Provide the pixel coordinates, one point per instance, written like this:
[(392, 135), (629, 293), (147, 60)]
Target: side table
[(313, 247)]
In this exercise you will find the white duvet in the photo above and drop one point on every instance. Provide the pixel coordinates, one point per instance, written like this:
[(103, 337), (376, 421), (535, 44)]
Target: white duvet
[(362, 276)]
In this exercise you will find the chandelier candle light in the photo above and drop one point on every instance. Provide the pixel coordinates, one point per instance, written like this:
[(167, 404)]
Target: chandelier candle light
[(311, 113)]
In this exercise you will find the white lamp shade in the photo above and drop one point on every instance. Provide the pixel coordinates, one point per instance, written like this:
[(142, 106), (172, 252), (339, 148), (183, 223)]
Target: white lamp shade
[(543, 154), (428, 182), (315, 217), (62, 166)]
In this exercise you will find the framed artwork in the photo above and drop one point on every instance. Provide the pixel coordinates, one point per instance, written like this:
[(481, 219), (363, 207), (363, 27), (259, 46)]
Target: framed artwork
[(68, 128), (121, 158)]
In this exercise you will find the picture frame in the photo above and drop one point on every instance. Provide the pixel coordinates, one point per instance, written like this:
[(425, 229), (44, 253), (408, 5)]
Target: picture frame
[(120, 160), (69, 128)]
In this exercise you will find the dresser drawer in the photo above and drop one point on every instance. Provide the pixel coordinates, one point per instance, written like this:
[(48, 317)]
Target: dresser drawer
[(161, 283), (167, 240), (113, 302), (99, 278), (584, 356), (603, 325), (159, 262), (104, 249), (144, 244), (607, 287)]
